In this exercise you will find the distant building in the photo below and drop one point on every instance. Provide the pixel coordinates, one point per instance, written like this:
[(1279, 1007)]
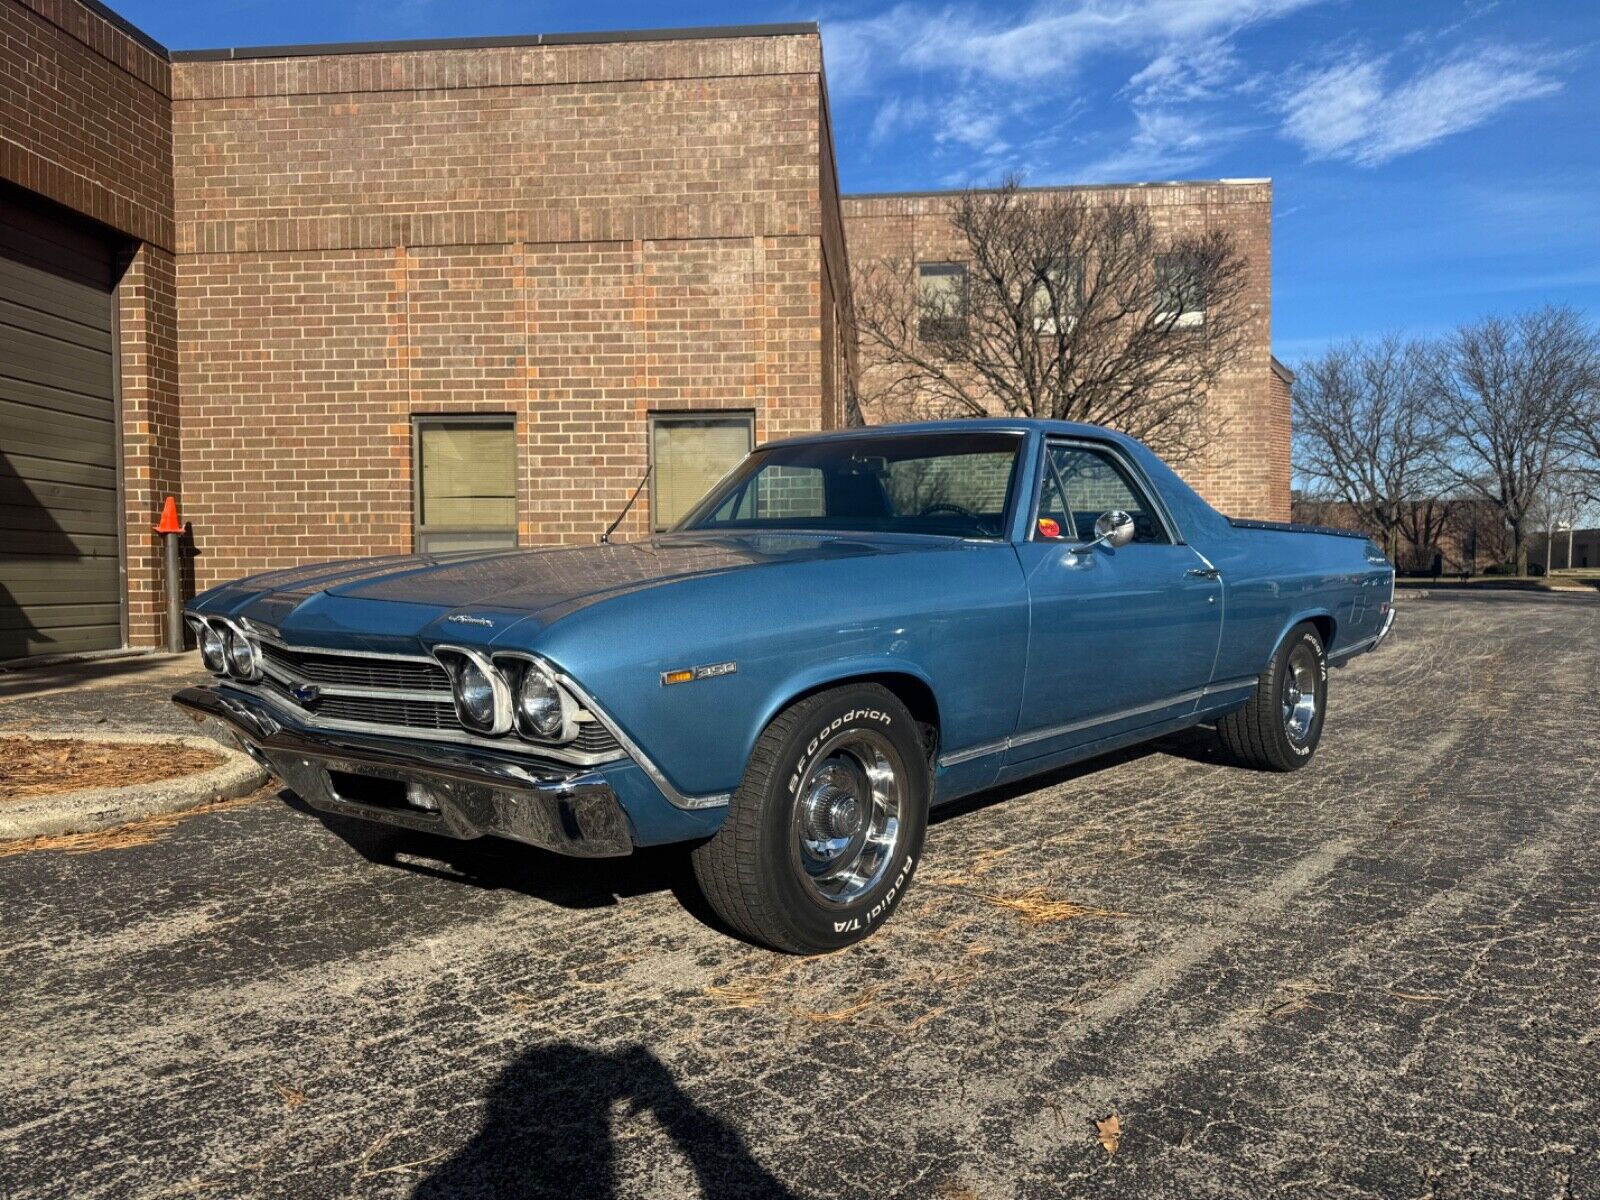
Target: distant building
[(1564, 549), (1247, 472)]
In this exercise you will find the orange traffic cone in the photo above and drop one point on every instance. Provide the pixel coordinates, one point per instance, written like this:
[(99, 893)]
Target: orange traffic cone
[(169, 517)]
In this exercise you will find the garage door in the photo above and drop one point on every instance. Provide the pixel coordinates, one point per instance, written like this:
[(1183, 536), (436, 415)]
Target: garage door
[(59, 577)]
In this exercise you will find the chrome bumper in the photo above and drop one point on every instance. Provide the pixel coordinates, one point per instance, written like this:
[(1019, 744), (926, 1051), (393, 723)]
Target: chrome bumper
[(1388, 624), (1340, 658), (437, 787)]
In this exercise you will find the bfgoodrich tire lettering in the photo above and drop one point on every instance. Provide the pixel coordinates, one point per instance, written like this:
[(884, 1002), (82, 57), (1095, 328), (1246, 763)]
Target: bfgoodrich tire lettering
[(825, 832), (1278, 730)]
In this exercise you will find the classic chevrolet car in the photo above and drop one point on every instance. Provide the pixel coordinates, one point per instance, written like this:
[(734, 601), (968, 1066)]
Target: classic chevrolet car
[(849, 630)]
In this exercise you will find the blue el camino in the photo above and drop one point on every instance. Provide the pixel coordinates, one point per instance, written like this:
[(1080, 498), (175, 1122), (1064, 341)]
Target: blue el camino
[(850, 629)]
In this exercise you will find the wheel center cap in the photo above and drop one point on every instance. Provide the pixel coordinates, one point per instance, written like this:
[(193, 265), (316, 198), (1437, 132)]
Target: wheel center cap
[(844, 816)]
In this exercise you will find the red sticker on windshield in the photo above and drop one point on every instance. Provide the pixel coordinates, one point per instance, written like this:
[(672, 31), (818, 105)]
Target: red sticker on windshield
[(1049, 528)]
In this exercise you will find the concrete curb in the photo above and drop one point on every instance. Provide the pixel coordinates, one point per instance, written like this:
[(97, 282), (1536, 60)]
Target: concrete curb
[(104, 808)]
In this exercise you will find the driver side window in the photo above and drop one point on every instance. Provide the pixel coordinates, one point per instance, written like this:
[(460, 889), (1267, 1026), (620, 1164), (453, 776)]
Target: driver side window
[(1082, 482)]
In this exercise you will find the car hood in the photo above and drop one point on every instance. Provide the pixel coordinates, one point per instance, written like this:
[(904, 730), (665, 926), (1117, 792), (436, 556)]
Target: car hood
[(544, 584)]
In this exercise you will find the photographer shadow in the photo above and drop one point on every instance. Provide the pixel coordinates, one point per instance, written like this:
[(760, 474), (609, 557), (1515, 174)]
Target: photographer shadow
[(548, 1132)]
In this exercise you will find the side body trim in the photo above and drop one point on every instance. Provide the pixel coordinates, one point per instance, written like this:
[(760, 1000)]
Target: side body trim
[(1049, 731)]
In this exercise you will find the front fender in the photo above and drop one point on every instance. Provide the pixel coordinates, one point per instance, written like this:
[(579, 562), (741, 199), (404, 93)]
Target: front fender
[(954, 618)]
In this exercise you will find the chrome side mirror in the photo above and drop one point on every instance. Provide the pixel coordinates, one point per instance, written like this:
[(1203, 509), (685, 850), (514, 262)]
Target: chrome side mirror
[(1112, 529)]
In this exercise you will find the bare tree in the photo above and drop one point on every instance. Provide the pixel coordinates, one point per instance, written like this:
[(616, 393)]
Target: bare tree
[(1508, 391), (1582, 440), (1064, 306), (1366, 436)]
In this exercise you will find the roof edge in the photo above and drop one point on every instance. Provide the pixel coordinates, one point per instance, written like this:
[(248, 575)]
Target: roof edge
[(1063, 187), (234, 53)]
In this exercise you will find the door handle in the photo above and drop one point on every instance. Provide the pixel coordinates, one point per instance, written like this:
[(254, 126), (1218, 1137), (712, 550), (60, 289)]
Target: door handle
[(1204, 573)]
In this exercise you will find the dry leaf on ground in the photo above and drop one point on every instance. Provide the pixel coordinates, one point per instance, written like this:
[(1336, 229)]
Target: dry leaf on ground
[(1109, 1133)]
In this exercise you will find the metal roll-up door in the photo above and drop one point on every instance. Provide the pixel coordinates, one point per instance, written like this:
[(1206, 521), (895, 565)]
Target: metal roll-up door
[(60, 586)]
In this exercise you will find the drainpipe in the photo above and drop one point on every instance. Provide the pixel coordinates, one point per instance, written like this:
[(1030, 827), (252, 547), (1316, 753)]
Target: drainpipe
[(171, 531)]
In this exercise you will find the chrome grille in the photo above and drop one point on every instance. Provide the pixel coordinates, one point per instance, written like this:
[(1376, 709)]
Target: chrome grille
[(338, 670), (335, 675)]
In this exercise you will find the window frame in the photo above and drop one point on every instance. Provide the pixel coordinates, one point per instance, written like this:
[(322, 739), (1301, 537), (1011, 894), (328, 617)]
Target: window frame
[(1071, 278), (421, 530), (1045, 467), (963, 271), (671, 416), (1184, 318)]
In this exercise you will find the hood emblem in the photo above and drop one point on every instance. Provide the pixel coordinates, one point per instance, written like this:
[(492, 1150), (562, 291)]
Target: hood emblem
[(306, 693), (464, 619)]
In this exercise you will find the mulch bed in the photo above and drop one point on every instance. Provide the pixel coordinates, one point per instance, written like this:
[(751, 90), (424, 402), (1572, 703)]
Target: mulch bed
[(41, 768)]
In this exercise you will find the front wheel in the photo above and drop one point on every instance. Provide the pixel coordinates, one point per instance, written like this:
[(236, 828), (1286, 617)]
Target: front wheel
[(1278, 730), (825, 830)]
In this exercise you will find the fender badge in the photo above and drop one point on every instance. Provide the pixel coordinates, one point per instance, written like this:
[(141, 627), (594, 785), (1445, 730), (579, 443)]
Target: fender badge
[(463, 619), (690, 674)]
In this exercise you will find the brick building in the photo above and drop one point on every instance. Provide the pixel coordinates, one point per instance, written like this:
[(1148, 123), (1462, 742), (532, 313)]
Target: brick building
[(1247, 471), (366, 299)]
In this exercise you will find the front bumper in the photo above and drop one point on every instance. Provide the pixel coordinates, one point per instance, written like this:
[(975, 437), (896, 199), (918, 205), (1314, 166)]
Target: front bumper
[(458, 791)]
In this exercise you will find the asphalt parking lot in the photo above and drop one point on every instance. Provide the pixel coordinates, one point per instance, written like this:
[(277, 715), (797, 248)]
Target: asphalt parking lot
[(1378, 976)]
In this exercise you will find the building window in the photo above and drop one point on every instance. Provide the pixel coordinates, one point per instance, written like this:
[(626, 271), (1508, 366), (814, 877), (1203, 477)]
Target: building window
[(1057, 295), (1180, 292), (941, 300), (466, 482), (690, 452)]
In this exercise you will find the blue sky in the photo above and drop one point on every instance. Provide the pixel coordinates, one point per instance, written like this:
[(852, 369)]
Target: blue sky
[(1433, 160)]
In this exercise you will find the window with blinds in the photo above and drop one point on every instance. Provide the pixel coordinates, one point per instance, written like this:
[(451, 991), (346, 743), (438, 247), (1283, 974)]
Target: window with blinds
[(466, 483), (690, 452)]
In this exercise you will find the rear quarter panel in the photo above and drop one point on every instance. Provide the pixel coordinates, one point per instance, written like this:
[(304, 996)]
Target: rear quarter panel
[(954, 617)]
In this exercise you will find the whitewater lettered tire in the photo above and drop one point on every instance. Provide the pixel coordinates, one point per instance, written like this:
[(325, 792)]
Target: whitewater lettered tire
[(1280, 728), (823, 835)]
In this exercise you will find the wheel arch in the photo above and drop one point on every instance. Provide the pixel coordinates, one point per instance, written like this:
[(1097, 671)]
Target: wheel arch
[(1319, 618), (909, 685)]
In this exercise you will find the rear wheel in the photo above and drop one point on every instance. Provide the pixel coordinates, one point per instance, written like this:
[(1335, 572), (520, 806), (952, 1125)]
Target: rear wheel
[(825, 830), (1278, 730)]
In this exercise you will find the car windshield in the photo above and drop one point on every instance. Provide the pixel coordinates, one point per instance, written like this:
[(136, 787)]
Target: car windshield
[(955, 484)]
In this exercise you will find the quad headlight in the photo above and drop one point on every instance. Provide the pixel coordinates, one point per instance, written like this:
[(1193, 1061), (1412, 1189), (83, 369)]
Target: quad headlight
[(213, 654), (482, 696), (243, 660), (540, 706)]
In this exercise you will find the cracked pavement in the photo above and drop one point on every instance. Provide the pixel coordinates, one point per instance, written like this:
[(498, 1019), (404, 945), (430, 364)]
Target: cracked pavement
[(1379, 976)]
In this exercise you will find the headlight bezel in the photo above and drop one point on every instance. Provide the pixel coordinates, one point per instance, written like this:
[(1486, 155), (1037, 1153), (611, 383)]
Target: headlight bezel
[(232, 641), (455, 660), (530, 666), (205, 631)]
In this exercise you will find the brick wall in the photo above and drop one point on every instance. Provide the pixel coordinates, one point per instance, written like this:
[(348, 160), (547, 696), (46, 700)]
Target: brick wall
[(578, 235), (85, 121), (1247, 472)]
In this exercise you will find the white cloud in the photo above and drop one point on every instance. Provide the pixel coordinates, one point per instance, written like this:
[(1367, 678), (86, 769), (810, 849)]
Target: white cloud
[(1166, 144), (1181, 74), (1346, 111), (1050, 39)]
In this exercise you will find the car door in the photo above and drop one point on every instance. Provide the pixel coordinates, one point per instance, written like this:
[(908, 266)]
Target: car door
[(1121, 637)]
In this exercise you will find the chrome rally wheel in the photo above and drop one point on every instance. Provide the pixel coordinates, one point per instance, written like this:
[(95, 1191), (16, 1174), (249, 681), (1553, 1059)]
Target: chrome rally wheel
[(847, 816), (1300, 689), (1279, 727), (823, 835)]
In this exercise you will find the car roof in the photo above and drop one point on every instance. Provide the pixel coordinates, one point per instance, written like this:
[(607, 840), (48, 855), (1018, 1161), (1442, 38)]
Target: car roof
[(962, 425)]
